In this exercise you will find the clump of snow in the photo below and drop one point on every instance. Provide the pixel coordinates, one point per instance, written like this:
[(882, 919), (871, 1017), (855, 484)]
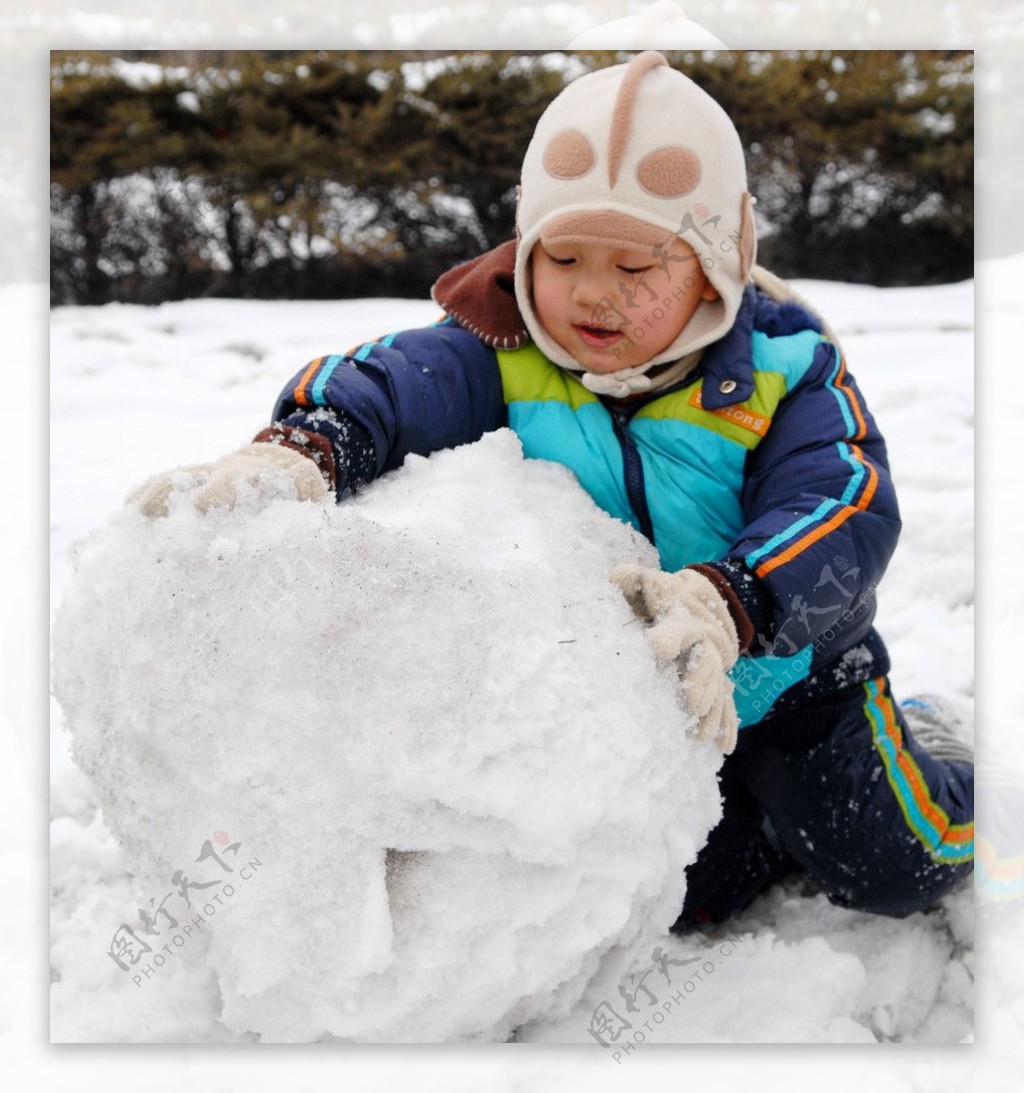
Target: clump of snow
[(406, 763)]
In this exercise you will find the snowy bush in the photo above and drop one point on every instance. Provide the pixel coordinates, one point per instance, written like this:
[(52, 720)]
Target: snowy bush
[(406, 764)]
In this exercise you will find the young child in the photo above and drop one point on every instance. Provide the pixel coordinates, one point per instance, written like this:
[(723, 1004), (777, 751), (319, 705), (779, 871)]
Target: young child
[(627, 334)]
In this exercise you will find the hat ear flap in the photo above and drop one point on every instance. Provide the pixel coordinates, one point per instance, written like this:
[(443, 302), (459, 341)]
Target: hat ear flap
[(748, 236)]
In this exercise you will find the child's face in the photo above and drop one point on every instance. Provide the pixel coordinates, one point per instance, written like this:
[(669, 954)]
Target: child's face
[(612, 308)]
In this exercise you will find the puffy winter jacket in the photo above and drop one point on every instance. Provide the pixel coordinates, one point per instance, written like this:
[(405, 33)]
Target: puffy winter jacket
[(763, 468)]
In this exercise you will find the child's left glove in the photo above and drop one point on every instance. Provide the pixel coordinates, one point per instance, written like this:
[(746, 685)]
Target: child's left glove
[(691, 624), (276, 470)]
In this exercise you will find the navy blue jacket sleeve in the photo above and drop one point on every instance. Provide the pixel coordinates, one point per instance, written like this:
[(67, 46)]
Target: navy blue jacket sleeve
[(821, 515), (413, 392)]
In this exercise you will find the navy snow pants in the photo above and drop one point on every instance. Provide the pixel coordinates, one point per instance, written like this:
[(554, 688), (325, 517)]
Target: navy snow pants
[(840, 790)]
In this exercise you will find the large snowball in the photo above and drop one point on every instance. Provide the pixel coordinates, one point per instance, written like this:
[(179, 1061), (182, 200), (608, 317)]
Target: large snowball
[(422, 730)]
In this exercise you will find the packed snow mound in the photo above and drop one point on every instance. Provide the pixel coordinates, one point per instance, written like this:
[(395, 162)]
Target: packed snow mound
[(406, 764)]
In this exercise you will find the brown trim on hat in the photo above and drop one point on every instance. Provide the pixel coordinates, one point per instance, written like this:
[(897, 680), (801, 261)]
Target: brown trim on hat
[(622, 114), (569, 154), (748, 236), (670, 171), (604, 226)]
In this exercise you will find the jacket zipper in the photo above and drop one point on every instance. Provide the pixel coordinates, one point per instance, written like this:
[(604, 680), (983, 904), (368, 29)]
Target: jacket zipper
[(633, 471)]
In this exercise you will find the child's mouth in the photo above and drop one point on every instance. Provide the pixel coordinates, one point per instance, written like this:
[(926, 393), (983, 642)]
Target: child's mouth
[(597, 337)]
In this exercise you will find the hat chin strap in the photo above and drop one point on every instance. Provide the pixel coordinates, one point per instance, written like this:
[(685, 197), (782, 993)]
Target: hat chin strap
[(642, 377), (621, 384)]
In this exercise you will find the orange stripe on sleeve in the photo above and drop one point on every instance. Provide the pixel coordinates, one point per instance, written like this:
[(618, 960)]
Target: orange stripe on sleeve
[(307, 376), (808, 540), (823, 529), (854, 403), (869, 490)]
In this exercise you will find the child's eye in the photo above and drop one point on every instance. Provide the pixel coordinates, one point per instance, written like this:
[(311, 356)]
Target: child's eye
[(634, 269), (561, 261)]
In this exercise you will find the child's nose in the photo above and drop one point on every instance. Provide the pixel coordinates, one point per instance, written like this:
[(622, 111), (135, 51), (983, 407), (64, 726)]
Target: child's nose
[(591, 287)]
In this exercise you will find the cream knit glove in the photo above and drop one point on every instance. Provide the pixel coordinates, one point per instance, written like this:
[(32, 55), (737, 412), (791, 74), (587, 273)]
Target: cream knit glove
[(690, 624), (276, 471)]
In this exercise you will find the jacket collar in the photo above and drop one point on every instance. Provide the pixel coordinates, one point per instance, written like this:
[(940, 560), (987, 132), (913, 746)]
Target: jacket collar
[(479, 296), (728, 364)]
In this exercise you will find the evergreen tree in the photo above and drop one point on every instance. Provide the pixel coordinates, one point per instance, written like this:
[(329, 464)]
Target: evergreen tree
[(363, 173)]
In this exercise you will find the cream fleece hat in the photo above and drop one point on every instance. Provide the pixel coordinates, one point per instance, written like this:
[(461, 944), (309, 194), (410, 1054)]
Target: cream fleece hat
[(633, 155)]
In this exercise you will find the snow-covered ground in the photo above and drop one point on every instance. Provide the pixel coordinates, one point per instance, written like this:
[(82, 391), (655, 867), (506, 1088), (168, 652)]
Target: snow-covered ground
[(138, 390)]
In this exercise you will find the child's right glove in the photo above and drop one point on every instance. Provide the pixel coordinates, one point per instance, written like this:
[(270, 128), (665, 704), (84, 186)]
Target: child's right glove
[(275, 469), (692, 625)]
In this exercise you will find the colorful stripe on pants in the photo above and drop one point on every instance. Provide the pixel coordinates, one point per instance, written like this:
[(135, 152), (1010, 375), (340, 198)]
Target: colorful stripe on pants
[(945, 842)]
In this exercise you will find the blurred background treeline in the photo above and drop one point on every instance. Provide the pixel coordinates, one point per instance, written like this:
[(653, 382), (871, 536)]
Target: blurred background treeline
[(299, 174)]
